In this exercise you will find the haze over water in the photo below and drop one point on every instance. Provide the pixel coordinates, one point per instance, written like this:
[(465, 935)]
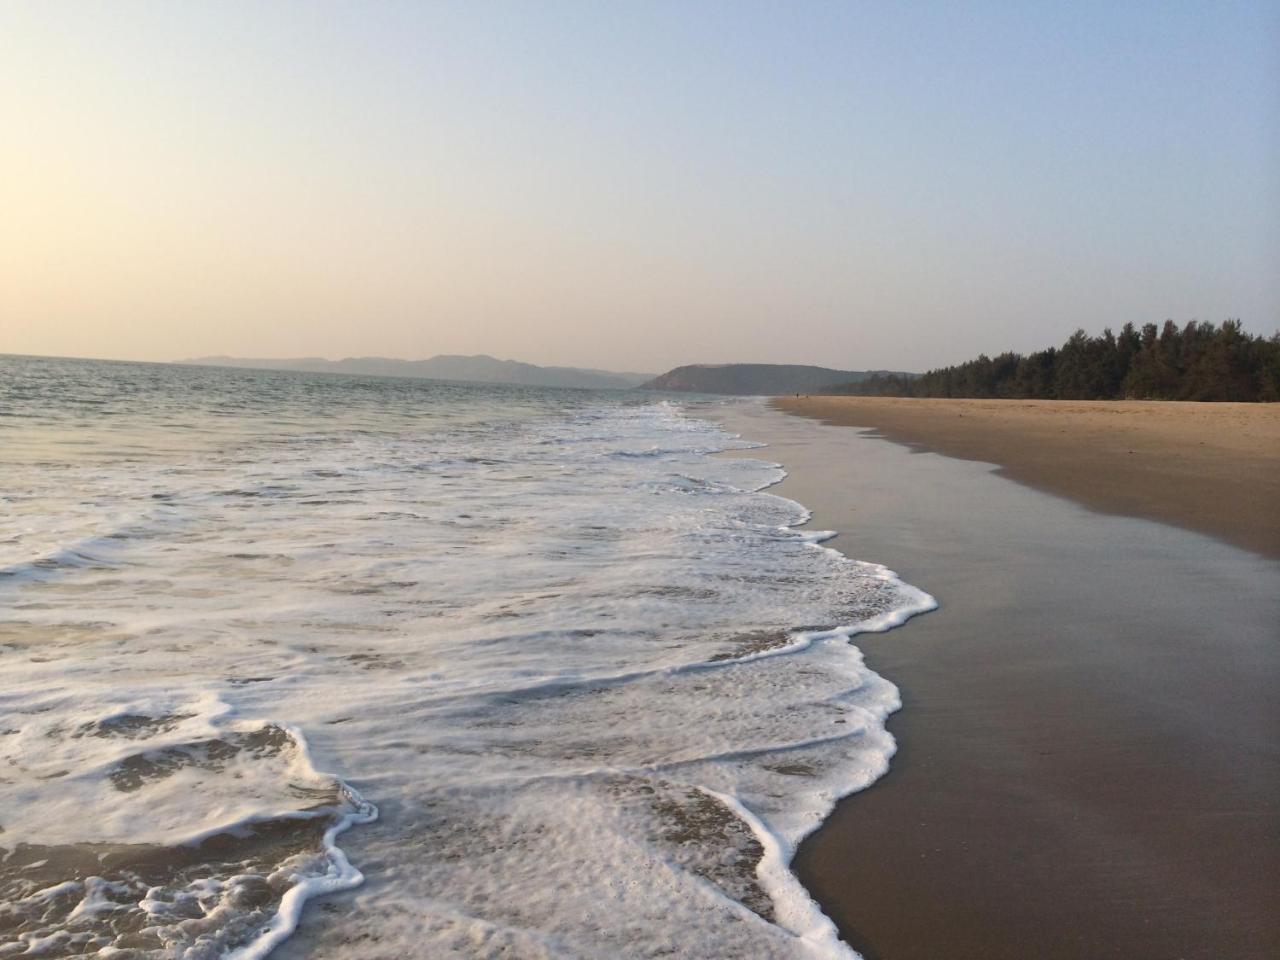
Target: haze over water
[(588, 678)]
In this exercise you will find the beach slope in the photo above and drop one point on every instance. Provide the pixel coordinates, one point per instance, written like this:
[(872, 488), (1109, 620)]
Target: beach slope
[(1209, 467), (1087, 758)]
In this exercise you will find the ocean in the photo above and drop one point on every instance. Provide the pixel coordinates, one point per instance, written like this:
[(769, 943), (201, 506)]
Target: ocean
[(514, 672)]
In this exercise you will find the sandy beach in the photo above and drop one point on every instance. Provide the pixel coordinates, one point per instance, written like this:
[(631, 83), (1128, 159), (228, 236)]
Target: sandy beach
[(1209, 467), (1087, 758)]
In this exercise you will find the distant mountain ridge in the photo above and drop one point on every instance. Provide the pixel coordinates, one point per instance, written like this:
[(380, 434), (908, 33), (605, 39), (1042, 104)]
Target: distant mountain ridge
[(479, 368), (756, 379)]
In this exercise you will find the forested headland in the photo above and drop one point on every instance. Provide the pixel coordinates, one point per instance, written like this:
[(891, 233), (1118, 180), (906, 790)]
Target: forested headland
[(1200, 361)]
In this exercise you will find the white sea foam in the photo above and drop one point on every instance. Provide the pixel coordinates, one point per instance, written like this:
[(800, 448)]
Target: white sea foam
[(596, 682)]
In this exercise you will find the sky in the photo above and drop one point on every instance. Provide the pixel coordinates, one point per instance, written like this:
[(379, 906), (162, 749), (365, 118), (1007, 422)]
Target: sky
[(632, 185)]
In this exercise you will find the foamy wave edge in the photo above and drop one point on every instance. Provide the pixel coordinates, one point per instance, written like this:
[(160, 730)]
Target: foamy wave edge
[(797, 911), (804, 917), (339, 873)]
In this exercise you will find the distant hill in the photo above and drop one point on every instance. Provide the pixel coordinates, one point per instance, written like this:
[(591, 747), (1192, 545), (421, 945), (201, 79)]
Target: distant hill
[(755, 379), (477, 369)]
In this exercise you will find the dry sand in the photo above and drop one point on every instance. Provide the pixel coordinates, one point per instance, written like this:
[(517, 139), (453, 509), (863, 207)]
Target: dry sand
[(1088, 758), (1210, 467)]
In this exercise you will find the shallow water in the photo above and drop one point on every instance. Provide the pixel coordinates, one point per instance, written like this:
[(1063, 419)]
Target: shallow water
[(589, 679)]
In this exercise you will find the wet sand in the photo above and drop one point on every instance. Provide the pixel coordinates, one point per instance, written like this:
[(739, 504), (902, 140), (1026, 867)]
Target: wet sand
[(1209, 467), (1089, 748)]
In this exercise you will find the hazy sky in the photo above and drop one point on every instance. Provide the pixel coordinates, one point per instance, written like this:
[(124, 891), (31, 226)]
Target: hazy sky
[(632, 185)]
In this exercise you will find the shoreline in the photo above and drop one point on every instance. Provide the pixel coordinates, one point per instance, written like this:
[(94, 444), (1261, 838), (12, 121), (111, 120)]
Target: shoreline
[(1079, 773), (1209, 467)]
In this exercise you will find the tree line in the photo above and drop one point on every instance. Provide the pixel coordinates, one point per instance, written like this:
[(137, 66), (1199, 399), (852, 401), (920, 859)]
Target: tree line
[(1200, 361)]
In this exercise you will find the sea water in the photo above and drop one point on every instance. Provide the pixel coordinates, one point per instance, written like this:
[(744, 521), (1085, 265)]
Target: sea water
[(517, 672)]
